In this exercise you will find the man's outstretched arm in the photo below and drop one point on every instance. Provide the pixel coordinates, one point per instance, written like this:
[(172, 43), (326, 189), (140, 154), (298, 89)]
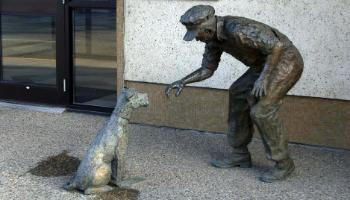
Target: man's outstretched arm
[(210, 62), (196, 76)]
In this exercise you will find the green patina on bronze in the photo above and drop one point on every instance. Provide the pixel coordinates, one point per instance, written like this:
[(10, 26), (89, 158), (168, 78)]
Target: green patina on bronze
[(104, 162), (275, 65)]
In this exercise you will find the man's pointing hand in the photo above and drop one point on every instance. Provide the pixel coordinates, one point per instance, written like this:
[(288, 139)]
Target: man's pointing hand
[(179, 85)]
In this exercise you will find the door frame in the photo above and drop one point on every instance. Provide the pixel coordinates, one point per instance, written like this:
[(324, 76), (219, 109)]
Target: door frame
[(33, 92), (64, 58), (70, 5), (120, 45)]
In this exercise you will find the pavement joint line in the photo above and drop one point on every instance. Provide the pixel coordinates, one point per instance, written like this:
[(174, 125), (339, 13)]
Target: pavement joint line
[(36, 108)]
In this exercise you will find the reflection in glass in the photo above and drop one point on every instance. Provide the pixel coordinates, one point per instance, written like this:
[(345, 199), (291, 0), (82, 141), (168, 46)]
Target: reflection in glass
[(95, 57), (28, 49)]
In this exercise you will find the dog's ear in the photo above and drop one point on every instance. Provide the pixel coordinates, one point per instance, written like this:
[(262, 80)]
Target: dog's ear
[(130, 92)]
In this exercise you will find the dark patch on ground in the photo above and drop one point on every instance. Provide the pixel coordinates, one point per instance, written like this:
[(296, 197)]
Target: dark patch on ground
[(118, 194), (59, 165)]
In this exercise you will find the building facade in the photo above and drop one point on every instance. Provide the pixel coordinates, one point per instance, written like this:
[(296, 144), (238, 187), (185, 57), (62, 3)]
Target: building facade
[(80, 53)]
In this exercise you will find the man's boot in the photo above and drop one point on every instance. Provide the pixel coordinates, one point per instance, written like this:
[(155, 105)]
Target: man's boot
[(280, 172), (235, 160)]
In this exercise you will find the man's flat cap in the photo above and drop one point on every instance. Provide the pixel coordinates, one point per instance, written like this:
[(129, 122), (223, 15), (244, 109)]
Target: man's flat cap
[(197, 14)]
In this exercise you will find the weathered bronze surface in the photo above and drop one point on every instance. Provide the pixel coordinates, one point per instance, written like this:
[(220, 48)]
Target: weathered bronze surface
[(104, 162), (275, 65)]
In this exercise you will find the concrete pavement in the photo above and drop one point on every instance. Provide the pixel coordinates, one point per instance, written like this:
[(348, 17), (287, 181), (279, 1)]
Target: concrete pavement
[(174, 162)]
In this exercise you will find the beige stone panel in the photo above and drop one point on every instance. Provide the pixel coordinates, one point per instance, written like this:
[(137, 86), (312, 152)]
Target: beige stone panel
[(307, 120)]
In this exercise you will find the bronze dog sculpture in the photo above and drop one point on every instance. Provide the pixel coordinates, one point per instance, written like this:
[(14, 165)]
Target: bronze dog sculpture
[(104, 162)]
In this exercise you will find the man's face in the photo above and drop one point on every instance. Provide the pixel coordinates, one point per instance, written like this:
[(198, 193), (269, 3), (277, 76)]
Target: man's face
[(204, 34)]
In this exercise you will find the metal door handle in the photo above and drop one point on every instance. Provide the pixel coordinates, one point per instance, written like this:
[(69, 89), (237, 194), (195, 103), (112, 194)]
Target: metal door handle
[(64, 85)]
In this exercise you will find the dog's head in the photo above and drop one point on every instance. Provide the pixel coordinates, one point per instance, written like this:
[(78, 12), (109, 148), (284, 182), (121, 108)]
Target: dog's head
[(136, 99)]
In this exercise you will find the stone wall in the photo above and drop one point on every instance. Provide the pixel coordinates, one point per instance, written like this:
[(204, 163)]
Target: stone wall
[(156, 53)]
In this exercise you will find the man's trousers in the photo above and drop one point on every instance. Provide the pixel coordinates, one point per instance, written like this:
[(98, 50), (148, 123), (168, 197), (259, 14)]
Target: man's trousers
[(246, 110)]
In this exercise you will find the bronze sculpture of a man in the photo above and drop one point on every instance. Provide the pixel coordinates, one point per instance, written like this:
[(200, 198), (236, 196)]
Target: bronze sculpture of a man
[(275, 65)]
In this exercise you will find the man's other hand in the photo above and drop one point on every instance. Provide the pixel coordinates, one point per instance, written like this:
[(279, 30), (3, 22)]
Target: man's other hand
[(259, 89), (179, 85)]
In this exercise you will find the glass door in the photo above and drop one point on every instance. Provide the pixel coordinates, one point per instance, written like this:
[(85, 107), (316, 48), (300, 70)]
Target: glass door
[(93, 53), (31, 64)]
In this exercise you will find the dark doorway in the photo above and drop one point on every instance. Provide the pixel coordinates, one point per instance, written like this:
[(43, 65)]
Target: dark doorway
[(29, 50), (59, 52), (92, 54)]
